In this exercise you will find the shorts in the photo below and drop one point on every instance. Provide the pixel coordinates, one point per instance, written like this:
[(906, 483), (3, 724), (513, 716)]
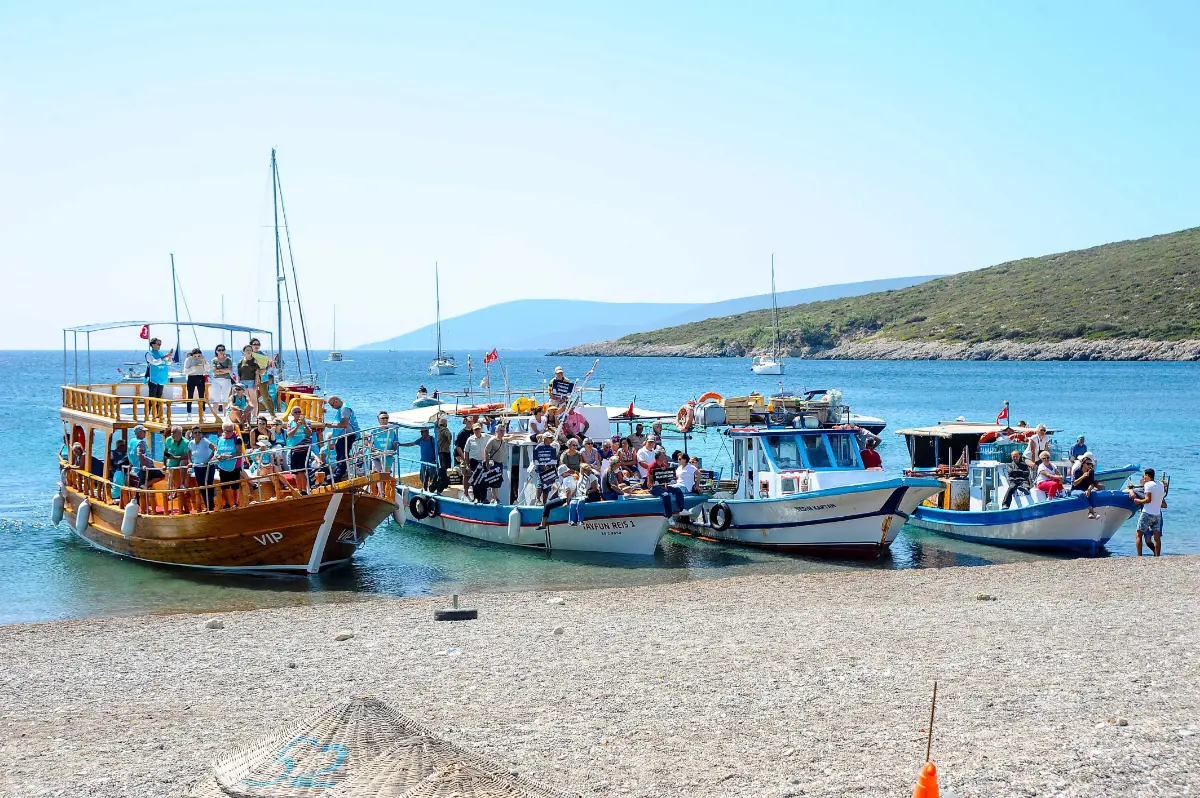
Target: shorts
[(230, 476), (298, 458), (1149, 524)]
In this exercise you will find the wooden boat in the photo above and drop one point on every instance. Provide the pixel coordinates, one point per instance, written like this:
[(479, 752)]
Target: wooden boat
[(274, 527)]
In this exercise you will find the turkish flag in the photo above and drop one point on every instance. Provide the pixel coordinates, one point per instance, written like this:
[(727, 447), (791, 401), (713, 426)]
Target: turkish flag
[(145, 333), (1002, 415), (490, 357)]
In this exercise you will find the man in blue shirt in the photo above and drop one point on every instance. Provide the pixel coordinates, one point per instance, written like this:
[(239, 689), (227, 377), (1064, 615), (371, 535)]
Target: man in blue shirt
[(428, 450), (340, 420), (157, 364), (1078, 450)]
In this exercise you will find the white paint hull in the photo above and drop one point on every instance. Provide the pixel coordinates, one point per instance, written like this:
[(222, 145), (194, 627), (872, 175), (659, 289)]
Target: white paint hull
[(767, 368), (442, 369)]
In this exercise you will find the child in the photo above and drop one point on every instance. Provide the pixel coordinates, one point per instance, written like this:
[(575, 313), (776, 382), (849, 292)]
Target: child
[(270, 398)]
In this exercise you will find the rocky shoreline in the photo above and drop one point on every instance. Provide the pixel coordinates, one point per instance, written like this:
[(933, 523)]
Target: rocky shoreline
[(881, 348)]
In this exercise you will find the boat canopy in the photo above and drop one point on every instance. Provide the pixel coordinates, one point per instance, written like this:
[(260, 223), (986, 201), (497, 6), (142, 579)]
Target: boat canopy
[(950, 429), (758, 432), (208, 325), (639, 414)]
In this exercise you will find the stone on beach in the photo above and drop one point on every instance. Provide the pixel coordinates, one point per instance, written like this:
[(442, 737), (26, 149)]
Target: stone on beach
[(213, 623), (343, 636)]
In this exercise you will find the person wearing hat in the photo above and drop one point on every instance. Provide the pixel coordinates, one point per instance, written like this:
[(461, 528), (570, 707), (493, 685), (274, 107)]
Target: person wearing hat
[(142, 468), (560, 387), (195, 368), (1079, 449), (1086, 483), (157, 363), (544, 459), (566, 487), (341, 421)]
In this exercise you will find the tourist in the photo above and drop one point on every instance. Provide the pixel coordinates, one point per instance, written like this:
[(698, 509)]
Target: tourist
[(545, 460), (195, 368), (1018, 478), (493, 461), (1078, 450), (341, 421), (460, 441), (591, 455), (638, 437), (870, 457), (269, 394), (264, 367), (571, 458), (222, 380), (575, 424), (262, 429), (383, 444), (175, 456), (627, 455), (1038, 443), (324, 459), (1152, 502), (239, 405), (142, 468), (537, 424), (445, 450), (119, 457), (586, 491), (278, 433), (157, 370), (230, 450), (1050, 481), (298, 435), (566, 488), (614, 481), (661, 479), (685, 474), (1086, 483), (248, 373), (427, 451), (657, 431), (76, 460), (609, 448), (200, 455), (422, 393), (474, 447), (560, 387), (646, 457)]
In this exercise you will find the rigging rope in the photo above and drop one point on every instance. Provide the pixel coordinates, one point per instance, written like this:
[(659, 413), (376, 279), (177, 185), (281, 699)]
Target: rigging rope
[(299, 304)]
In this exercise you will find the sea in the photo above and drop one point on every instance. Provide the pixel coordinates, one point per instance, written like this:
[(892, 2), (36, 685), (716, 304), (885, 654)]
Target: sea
[(1144, 413)]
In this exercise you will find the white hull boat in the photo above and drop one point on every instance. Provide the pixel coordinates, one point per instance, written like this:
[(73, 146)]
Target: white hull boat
[(442, 367), (766, 365)]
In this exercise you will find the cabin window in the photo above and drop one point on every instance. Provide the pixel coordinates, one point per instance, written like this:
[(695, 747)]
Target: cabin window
[(815, 452), (844, 453), (785, 451), (788, 485)]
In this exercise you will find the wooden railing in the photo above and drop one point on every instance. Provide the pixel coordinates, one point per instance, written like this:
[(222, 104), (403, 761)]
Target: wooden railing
[(312, 406), (103, 400)]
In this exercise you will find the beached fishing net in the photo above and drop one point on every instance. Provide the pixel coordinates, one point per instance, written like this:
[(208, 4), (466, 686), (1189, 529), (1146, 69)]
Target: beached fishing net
[(359, 748)]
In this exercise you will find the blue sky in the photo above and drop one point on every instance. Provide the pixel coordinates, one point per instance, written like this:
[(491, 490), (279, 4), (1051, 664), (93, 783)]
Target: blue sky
[(610, 152)]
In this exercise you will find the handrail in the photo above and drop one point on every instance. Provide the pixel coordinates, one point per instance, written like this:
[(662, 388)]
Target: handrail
[(135, 408)]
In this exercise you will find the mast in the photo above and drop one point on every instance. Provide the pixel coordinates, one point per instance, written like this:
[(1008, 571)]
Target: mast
[(437, 303), (175, 296), (278, 264), (335, 328), (775, 313)]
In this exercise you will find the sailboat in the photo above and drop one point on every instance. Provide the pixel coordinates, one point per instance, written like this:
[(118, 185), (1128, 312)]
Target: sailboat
[(335, 356), (772, 363), (443, 364)]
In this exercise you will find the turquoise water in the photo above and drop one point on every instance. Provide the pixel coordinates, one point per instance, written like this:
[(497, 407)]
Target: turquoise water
[(1143, 413)]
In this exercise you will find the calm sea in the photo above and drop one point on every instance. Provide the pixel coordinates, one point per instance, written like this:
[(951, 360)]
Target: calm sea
[(1143, 413)]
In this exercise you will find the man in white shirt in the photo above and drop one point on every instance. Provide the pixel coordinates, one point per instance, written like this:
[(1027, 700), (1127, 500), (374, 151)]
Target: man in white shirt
[(1150, 521), (645, 457)]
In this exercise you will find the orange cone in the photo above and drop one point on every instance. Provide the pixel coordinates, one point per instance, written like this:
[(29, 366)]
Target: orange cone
[(927, 786)]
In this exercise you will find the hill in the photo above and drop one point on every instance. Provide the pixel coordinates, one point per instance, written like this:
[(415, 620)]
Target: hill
[(567, 322), (1129, 300)]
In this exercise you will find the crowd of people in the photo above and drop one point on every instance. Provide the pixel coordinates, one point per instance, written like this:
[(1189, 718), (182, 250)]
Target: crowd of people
[(243, 388)]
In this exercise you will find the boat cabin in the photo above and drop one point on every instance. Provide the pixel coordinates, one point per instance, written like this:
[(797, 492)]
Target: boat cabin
[(942, 446), (773, 462)]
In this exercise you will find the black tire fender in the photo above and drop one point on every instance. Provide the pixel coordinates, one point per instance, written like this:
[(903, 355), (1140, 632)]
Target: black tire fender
[(417, 507), (431, 507), (720, 516)]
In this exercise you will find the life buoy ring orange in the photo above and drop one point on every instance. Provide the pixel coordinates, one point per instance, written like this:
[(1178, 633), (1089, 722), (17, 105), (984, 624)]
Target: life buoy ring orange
[(477, 409), (685, 418), (713, 395), (989, 437)]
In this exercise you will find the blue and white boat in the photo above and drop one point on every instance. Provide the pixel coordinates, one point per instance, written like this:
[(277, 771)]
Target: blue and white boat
[(806, 490), (974, 480), (628, 525)]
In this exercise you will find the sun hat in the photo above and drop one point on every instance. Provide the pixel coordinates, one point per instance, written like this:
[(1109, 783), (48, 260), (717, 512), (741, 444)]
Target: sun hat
[(1089, 456), (263, 442), (563, 470)]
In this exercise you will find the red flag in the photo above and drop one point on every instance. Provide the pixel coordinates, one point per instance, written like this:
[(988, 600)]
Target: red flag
[(629, 412), (145, 333), (490, 357), (1003, 414)]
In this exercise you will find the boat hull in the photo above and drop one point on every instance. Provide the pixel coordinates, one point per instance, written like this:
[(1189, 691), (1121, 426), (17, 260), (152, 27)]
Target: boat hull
[(768, 368), (271, 536), (859, 520), (1057, 525), (1114, 478), (442, 369), (625, 526)]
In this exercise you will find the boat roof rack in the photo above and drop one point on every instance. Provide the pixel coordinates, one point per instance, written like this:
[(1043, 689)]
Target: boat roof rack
[(209, 325), (947, 429)]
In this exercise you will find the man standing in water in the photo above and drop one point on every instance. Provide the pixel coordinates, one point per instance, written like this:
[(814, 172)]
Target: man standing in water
[(1150, 521)]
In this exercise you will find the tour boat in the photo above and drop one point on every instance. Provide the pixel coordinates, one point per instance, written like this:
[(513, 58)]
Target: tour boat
[(772, 363), (443, 365), (970, 460), (805, 490), (274, 527)]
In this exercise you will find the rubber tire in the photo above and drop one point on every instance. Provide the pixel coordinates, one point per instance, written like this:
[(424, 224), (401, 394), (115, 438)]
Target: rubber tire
[(726, 516), (431, 507), (417, 508), (456, 615)]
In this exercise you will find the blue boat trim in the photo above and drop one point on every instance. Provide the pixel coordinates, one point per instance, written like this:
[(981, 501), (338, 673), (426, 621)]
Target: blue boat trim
[(891, 506), (1013, 515), (1076, 545), (865, 487)]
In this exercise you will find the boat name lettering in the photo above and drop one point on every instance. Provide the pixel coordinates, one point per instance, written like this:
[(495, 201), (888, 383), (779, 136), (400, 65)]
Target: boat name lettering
[(816, 507), (267, 538), (607, 527)]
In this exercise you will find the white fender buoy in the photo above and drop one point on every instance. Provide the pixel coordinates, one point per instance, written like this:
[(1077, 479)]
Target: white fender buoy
[(82, 513), (514, 524), (129, 521), (401, 507), (56, 509)]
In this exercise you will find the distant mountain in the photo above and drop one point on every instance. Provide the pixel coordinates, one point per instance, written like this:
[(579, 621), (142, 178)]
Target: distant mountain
[(559, 323)]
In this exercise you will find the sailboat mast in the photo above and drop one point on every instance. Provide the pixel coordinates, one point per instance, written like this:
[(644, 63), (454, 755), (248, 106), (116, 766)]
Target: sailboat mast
[(278, 264), (775, 312), (175, 296), (437, 303), (335, 328)]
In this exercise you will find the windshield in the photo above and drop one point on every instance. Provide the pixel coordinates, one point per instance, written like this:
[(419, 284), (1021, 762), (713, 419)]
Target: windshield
[(785, 452), (844, 451)]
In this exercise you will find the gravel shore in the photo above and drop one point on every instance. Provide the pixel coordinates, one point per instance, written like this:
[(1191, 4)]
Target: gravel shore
[(1063, 678)]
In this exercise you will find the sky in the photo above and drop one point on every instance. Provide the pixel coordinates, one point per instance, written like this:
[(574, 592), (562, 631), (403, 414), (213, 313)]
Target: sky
[(613, 152)]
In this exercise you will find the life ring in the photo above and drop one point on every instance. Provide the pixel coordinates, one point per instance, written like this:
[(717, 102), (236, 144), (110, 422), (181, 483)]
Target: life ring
[(989, 437), (685, 418), (720, 516), (477, 409), (417, 507), (431, 507), (713, 395)]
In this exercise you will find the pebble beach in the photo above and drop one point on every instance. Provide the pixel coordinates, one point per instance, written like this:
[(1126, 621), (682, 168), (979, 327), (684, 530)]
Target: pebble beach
[(1070, 678)]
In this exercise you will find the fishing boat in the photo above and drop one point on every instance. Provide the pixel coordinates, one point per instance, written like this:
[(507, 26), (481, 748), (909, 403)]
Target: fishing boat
[(335, 355), (805, 490), (272, 527), (773, 363), (443, 365), (970, 461)]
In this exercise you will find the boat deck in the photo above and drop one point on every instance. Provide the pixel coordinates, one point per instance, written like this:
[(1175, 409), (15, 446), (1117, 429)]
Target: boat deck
[(118, 406)]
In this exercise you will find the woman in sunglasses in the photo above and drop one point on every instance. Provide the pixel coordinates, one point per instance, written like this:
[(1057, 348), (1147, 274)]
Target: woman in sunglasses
[(222, 380)]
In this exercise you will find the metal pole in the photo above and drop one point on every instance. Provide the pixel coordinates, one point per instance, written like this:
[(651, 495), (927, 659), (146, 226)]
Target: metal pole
[(89, 357), (175, 296), (278, 261), (64, 356)]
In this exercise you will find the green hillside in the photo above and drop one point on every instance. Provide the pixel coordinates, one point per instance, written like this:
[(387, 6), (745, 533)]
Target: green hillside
[(1148, 288)]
